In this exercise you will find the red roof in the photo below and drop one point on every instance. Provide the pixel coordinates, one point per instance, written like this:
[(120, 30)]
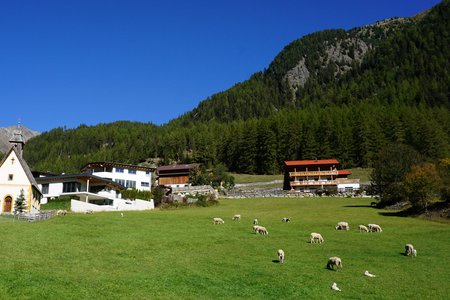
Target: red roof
[(344, 172), (293, 163)]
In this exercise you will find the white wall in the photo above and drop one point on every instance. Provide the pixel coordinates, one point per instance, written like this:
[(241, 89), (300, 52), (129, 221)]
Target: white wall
[(139, 177), (19, 181), (343, 186), (118, 205)]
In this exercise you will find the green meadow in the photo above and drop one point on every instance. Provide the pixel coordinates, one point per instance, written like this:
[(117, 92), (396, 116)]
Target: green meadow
[(180, 254)]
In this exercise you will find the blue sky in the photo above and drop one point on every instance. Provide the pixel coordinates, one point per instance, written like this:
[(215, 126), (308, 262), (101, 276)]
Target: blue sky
[(66, 63)]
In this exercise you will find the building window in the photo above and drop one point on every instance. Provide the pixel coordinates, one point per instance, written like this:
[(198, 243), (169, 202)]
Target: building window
[(119, 170), (45, 188), (130, 184), (147, 173), (70, 187), (145, 184), (131, 171), (10, 177), (120, 181)]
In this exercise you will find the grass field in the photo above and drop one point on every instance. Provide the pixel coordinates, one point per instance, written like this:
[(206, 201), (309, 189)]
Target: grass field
[(180, 254)]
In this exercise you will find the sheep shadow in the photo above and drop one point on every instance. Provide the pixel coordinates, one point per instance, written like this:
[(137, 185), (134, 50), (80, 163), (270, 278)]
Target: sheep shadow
[(276, 261)]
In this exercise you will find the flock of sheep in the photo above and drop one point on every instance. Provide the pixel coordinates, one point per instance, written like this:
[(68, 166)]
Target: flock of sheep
[(334, 263)]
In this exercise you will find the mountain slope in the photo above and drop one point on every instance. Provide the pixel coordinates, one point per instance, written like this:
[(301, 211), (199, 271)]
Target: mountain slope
[(6, 134), (399, 59)]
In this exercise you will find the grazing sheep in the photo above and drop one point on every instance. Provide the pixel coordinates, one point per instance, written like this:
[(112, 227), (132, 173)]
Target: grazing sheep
[(342, 226), (262, 230), (374, 228), (316, 236), (280, 254), (255, 222), (366, 273), (286, 220), (236, 217), (334, 261), (89, 212), (61, 212), (256, 228), (409, 250), (363, 228), (218, 221), (335, 287)]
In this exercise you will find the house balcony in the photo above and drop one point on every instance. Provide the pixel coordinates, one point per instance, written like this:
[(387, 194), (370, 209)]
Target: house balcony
[(305, 183), (314, 173)]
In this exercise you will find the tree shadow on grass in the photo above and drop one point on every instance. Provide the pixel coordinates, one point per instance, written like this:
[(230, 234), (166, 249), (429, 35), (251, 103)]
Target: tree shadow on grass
[(409, 212)]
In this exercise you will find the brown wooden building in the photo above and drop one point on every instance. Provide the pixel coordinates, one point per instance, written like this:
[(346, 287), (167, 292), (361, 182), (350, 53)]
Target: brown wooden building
[(176, 175), (312, 175)]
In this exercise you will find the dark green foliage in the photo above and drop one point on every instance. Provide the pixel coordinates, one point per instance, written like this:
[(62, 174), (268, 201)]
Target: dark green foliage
[(393, 162), (136, 194), (158, 194)]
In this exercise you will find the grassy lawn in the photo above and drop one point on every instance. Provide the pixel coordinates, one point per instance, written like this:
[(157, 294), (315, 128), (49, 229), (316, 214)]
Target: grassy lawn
[(248, 178), (180, 254), (363, 174)]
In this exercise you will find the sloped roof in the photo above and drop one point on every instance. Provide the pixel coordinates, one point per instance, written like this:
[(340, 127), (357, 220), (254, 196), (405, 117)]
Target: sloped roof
[(344, 172), (24, 165), (102, 164), (92, 178), (178, 167), (293, 163)]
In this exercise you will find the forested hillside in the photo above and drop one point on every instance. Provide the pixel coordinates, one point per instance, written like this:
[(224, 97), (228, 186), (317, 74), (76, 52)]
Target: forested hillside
[(336, 93)]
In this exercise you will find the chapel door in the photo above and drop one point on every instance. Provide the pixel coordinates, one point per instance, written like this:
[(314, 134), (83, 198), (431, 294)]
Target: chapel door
[(8, 205)]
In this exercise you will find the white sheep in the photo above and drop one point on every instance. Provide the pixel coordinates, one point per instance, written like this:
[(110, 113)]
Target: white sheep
[(218, 221), (280, 254), (363, 228), (255, 222), (342, 226), (262, 230), (314, 236), (334, 262), (374, 228), (335, 287), (61, 212), (256, 228), (236, 217), (285, 220), (366, 273), (89, 212), (409, 250)]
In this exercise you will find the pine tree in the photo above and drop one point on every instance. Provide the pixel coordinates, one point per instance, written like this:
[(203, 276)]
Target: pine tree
[(20, 205)]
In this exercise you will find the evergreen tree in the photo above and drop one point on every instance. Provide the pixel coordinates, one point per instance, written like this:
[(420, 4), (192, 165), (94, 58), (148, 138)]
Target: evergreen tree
[(20, 203)]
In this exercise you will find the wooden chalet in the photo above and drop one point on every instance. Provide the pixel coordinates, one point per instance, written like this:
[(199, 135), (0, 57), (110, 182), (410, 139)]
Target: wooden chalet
[(176, 175), (313, 175)]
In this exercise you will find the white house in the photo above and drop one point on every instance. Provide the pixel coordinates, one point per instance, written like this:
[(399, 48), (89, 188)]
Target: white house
[(16, 178), (89, 192), (129, 176)]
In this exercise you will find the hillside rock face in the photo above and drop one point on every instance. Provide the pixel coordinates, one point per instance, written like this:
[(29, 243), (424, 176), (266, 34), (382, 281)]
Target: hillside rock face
[(341, 55), (6, 134)]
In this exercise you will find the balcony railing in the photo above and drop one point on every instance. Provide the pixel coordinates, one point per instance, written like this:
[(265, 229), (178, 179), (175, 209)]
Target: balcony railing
[(313, 182), (313, 173)]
